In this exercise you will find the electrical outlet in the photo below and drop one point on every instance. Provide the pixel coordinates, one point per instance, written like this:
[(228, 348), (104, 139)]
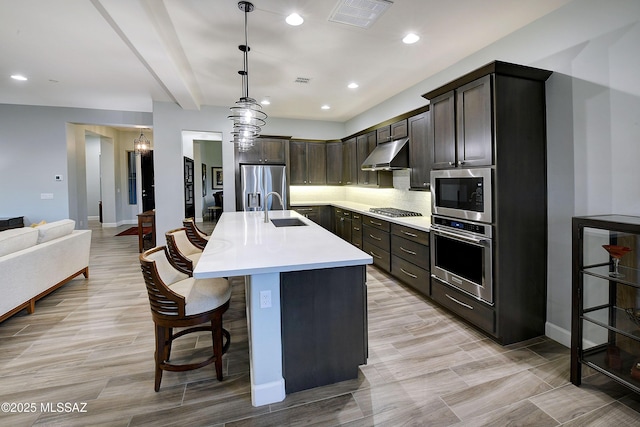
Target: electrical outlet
[(46, 196), (265, 299)]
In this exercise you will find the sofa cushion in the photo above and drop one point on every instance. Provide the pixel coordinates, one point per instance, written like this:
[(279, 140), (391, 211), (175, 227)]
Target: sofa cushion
[(17, 239), (55, 230)]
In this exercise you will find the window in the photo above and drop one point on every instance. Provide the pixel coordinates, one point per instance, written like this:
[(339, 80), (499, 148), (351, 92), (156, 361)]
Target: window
[(131, 171)]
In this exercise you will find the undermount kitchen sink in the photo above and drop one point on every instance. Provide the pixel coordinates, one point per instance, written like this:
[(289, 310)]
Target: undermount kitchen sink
[(287, 222)]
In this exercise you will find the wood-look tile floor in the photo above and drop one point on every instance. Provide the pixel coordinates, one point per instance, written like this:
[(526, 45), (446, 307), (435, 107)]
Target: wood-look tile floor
[(89, 345)]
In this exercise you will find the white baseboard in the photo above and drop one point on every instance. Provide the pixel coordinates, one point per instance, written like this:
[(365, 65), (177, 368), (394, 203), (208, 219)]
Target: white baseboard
[(558, 334), (271, 392)]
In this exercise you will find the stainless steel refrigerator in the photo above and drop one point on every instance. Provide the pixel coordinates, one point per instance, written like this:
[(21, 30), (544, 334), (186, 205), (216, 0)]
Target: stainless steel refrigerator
[(256, 181)]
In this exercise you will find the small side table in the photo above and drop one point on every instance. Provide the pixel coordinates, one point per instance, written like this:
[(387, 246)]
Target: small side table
[(214, 212), (146, 219), (7, 223)]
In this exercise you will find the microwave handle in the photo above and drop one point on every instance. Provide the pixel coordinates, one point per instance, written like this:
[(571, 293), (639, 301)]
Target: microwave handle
[(459, 237)]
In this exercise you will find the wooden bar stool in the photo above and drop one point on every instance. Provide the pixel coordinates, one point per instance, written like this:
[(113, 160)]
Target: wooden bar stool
[(180, 301)]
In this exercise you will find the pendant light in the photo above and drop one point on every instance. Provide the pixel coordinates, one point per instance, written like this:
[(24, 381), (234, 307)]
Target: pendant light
[(141, 144), (247, 115)]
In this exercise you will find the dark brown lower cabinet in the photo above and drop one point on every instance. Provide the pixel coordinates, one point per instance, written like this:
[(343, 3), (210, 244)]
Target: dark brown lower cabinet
[(324, 326), (470, 309)]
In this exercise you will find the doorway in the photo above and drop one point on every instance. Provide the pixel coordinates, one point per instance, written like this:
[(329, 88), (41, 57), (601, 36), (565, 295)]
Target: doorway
[(148, 187)]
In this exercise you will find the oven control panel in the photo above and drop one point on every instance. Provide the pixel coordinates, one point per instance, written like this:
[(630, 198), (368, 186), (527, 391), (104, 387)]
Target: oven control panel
[(471, 227)]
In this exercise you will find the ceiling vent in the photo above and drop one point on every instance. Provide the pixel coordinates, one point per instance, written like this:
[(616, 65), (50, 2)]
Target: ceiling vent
[(359, 13), (303, 80)]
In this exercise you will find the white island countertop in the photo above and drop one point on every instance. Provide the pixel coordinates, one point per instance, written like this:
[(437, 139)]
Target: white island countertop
[(243, 244)]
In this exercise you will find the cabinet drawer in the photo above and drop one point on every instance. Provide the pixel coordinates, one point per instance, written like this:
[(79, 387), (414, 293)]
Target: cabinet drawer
[(416, 277), (376, 237), (381, 258), (413, 252), (418, 236), (356, 218), (466, 307), (380, 224)]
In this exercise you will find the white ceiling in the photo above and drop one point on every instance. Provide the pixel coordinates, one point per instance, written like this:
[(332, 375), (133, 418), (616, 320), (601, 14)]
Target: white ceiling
[(124, 54)]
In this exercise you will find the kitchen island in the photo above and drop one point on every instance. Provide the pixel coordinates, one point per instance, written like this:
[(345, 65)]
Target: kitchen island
[(305, 298)]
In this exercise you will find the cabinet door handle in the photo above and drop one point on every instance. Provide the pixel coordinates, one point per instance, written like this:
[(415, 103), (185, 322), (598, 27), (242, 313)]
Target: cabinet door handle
[(373, 254), (408, 274), (374, 237), (408, 234), (375, 223), (452, 163), (407, 251), (461, 162), (356, 228), (458, 302)]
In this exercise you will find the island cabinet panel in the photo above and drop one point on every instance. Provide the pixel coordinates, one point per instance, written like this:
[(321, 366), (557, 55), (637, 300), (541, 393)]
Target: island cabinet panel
[(324, 326)]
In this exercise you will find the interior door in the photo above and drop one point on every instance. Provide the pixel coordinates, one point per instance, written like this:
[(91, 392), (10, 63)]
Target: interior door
[(148, 194)]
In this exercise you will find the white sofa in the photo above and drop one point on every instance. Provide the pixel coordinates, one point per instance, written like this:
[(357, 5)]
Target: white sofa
[(36, 261)]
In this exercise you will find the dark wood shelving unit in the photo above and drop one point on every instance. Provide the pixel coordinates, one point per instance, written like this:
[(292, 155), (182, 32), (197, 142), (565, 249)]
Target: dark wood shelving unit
[(605, 333)]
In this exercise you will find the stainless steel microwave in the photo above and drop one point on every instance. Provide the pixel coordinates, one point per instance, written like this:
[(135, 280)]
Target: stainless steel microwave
[(463, 193)]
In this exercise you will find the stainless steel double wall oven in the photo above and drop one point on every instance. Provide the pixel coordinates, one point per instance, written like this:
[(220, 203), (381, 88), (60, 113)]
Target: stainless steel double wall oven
[(462, 230)]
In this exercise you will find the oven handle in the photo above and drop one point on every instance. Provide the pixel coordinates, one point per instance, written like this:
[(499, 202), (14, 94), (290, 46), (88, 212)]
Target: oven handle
[(460, 237)]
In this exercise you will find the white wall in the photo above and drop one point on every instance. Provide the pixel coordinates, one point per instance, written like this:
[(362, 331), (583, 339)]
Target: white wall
[(37, 143)]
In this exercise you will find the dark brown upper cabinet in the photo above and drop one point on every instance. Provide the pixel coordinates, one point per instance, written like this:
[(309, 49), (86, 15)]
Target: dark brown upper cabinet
[(419, 153), (350, 164), (461, 126), (308, 163), (334, 163), (365, 145), (391, 132), (265, 151)]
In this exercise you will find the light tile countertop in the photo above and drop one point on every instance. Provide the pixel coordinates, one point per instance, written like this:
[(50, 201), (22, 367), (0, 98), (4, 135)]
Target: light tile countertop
[(418, 222), (243, 244)]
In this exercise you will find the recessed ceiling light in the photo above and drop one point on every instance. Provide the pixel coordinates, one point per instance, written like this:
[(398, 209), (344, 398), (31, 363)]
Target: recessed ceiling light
[(19, 77), (294, 19), (265, 101), (410, 38), (352, 85), (325, 107)]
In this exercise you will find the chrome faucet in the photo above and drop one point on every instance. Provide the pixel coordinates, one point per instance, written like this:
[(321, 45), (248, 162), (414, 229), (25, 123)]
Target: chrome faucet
[(266, 200)]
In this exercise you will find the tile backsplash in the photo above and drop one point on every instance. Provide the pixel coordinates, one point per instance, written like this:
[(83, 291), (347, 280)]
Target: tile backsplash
[(397, 197)]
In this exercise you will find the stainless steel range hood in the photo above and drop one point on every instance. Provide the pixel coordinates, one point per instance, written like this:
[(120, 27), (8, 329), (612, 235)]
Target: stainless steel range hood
[(388, 156)]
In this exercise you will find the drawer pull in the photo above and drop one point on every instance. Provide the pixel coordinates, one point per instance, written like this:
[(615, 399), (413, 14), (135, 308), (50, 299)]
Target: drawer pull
[(374, 237), (356, 228), (407, 251), (459, 302), (409, 274), (304, 209), (373, 254), (375, 223), (408, 234)]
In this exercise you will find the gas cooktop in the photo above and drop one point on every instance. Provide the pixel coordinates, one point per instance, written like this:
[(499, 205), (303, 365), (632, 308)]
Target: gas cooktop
[(393, 212)]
